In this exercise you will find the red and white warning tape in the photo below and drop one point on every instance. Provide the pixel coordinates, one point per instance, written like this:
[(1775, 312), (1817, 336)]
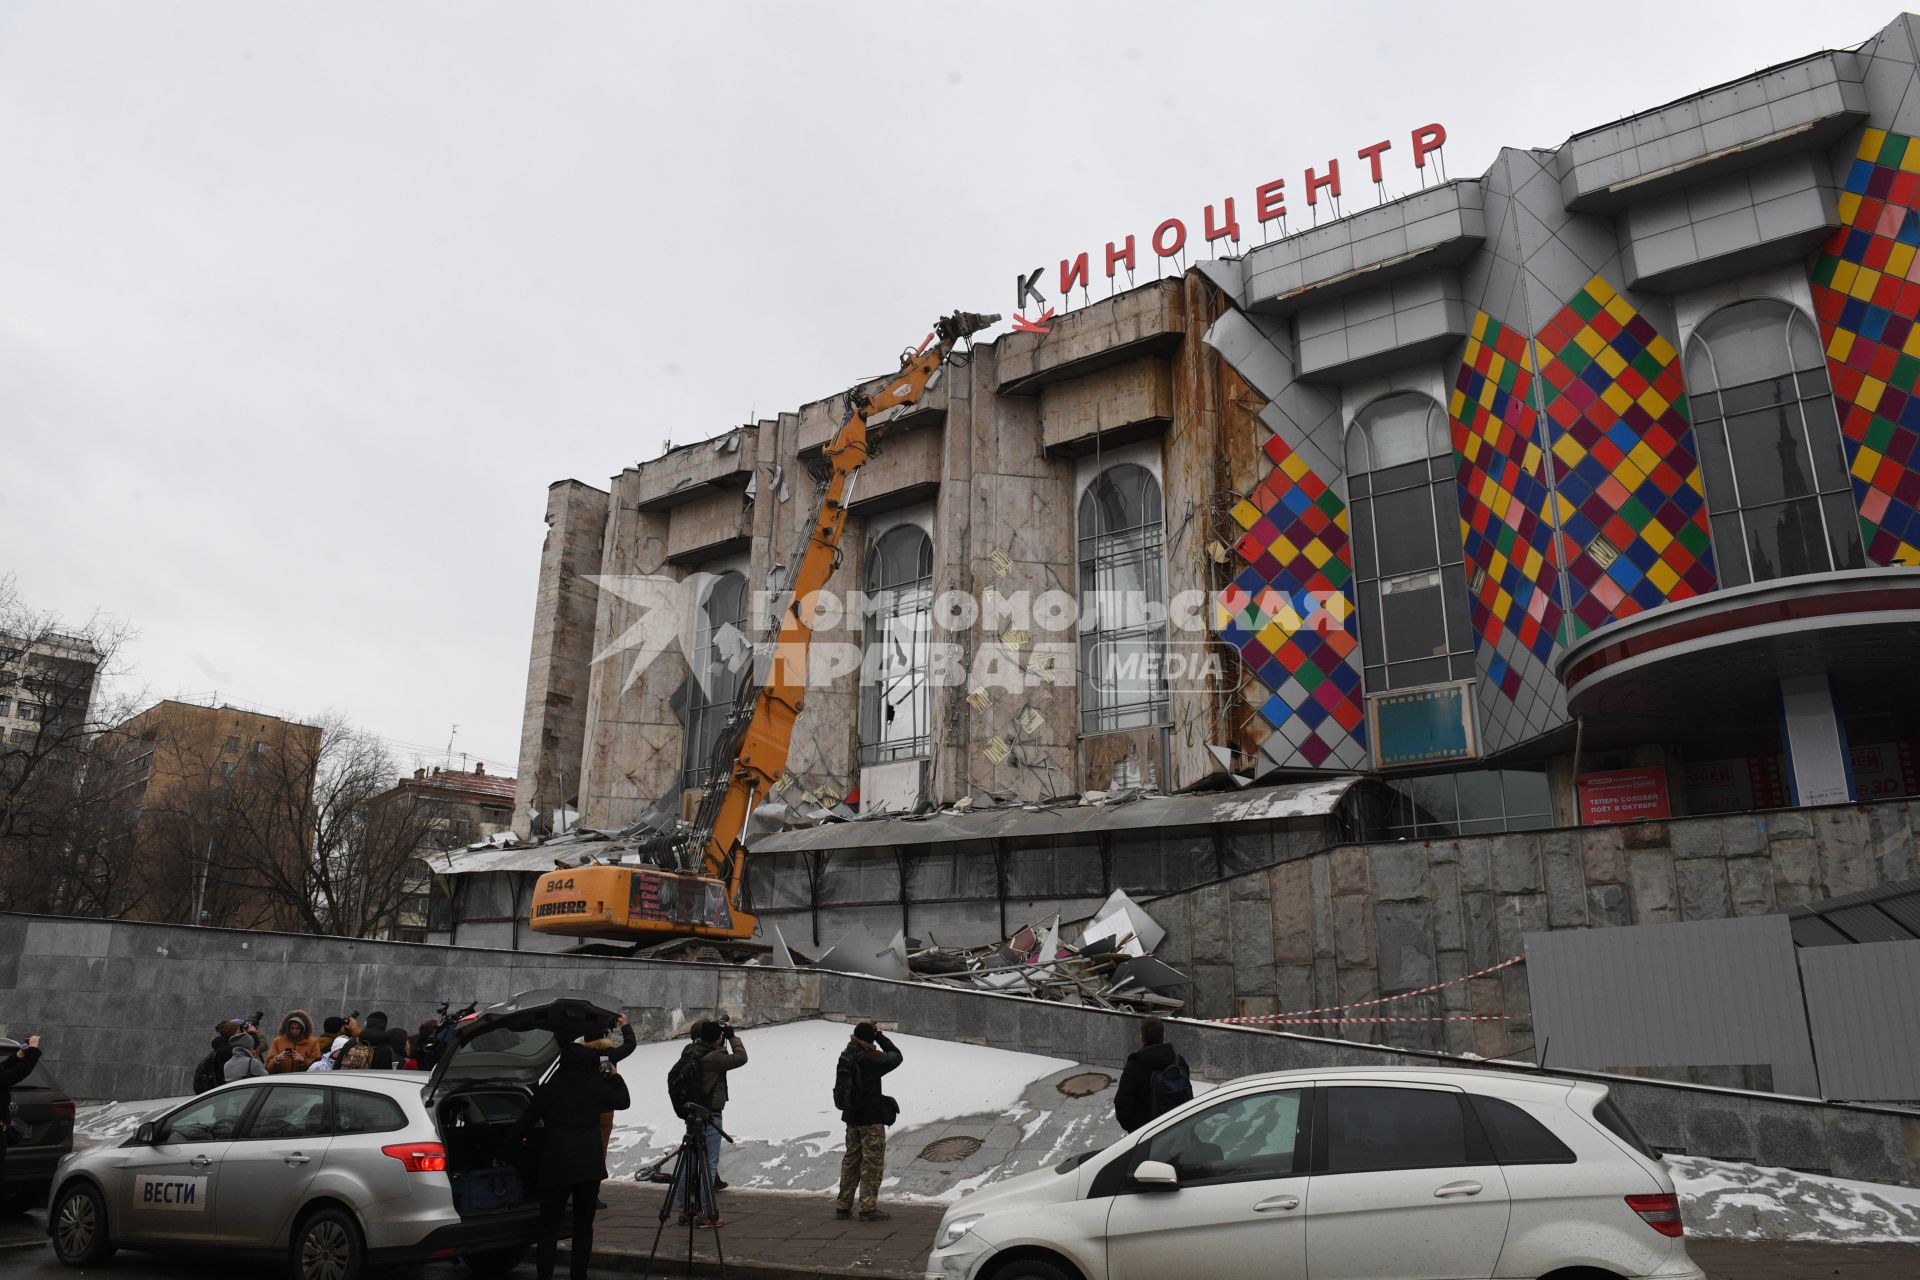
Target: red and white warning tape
[(1339, 1010), (1287, 1019)]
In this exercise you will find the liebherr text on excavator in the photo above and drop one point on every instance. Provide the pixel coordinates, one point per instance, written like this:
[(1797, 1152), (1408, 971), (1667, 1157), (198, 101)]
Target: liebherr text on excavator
[(697, 890)]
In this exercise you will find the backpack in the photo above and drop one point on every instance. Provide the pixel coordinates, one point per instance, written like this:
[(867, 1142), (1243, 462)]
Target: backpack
[(846, 1084), (683, 1082), (211, 1073), (1170, 1086), (357, 1056)]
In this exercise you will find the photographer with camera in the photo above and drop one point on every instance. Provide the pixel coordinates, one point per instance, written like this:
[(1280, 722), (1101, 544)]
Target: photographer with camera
[(868, 1056), (571, 1163), (243, 1044), (697, 1088)]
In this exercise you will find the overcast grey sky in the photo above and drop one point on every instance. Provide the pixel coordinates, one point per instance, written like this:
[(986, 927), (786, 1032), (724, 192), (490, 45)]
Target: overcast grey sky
[(303, 305)]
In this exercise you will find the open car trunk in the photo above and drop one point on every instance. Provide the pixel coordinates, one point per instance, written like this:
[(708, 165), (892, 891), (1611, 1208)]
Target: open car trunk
[(484, 1081), (474, 1124)]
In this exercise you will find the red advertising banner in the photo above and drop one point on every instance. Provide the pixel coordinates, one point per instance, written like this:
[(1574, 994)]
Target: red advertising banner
[(1622, 795)]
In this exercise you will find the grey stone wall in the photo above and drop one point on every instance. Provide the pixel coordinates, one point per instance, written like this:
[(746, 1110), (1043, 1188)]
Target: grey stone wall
[(1358, 922), (126, 1010), (553, 728)]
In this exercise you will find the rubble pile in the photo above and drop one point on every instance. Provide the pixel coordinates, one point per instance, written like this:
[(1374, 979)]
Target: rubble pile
[(1111, 967)]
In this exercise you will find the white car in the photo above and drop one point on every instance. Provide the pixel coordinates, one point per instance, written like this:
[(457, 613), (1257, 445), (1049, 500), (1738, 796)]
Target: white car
[(336, 1172), (1341, 1174)]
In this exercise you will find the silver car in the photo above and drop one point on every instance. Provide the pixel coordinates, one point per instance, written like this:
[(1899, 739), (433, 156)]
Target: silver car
[(341, 1171)]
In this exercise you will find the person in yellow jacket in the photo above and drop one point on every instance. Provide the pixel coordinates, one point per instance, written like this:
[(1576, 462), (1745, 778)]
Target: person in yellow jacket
[(296, 1047)]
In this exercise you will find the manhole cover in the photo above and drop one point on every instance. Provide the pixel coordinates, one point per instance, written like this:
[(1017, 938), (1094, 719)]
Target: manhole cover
[(950, 1150), (1085, 1085)]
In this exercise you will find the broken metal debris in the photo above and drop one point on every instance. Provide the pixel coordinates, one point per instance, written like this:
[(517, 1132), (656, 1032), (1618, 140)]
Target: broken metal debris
[(1112, 967)]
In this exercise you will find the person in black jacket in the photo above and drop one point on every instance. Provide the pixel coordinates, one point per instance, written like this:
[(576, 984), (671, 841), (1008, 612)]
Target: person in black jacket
[(14, 1068), (868, 1056), (611, 1054), (571, 1165), (712, 1063), (1154, 1081), (374, 1036)]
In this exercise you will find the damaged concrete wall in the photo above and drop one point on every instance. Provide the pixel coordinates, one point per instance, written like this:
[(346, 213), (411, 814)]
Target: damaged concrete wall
[(1014, 518), (820, 760), (997, 455), (631, 756), (1362, 921), (553, 727)]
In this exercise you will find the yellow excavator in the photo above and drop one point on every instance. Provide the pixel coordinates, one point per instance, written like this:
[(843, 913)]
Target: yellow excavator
[(697, 891)]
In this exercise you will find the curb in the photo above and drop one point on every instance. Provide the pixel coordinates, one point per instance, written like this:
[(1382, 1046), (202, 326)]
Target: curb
[(666, 1267)]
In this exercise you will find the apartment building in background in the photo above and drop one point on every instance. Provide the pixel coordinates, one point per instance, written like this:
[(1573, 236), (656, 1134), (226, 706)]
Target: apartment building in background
[(46, 685), (181, 765)]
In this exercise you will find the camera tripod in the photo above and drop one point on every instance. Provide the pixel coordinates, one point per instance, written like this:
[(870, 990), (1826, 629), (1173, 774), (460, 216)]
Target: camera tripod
[(690, 1163)]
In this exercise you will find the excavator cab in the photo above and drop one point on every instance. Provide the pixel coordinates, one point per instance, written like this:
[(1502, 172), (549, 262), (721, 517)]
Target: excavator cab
[(635, 902)]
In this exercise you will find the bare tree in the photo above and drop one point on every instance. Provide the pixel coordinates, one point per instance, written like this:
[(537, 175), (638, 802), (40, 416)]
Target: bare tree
[(312, 836), (58, 767)]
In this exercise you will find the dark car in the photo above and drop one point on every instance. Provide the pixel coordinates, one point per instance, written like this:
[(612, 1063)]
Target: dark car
[(40, 1132)]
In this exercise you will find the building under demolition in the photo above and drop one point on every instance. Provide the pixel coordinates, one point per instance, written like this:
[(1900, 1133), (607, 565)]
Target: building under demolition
[(1580, 498)]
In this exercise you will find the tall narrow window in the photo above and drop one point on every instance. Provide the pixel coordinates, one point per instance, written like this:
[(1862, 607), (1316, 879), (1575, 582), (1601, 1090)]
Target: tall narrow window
[(1123, 596), (1777, 485), (720, 659), (895, 701), (1405, 514)]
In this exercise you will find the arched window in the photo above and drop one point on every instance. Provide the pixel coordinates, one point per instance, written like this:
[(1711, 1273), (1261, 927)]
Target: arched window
[(1123, 596), (895, 701), (1405, 516), (721, 657), (1777, 485)]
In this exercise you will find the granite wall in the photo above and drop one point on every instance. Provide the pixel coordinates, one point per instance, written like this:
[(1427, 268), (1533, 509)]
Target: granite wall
[(1357, 922), (126, 1010)]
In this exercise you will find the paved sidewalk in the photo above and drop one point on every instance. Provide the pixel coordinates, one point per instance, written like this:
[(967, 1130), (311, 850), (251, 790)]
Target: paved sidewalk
[(767, 1233), (1772, 1260)]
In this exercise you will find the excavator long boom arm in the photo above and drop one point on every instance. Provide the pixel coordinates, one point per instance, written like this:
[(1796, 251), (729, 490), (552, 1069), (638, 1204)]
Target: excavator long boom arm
[(596, 898), (777, 703)]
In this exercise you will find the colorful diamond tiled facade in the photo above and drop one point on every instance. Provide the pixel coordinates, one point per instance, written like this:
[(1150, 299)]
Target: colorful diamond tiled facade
[(1866, 293), (1505, 521), (1630, 503), (1289, 613)]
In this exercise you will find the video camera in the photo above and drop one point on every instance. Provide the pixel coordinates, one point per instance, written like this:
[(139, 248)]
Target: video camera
[(259, 1016)]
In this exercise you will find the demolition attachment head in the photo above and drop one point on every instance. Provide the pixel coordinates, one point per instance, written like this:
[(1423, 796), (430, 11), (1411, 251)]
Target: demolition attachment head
[(962, 324)]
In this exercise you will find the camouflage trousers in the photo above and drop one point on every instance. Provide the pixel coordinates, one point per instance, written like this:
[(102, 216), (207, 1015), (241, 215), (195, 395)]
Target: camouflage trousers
[(863, 1165)]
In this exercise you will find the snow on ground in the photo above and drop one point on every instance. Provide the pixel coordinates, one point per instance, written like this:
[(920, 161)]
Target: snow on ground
[(1727, 1201), (784, 1094)]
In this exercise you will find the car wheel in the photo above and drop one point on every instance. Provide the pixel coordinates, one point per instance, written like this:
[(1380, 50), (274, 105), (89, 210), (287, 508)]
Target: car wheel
[(328, 1246), (496, 1262), (1030, 1269), (80, 1227)]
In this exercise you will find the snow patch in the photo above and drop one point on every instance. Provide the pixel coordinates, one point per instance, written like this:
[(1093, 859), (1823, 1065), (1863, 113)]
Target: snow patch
[(1727, 1201), (784, 1095)]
